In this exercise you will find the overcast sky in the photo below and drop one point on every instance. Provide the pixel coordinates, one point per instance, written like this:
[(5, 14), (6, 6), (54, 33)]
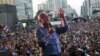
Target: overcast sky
[(75, 4)]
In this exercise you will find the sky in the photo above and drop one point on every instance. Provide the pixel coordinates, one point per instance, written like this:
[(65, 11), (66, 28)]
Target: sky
[(75, 4)]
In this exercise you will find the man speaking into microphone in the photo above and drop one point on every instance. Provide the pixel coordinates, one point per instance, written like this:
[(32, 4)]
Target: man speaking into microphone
[(48, 36)]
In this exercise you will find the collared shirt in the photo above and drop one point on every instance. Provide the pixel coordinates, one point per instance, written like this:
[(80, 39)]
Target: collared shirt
[(50, 42)]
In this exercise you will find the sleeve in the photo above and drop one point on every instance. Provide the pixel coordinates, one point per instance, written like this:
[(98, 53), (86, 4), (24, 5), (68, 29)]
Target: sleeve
[(61, 30), (39, 41)]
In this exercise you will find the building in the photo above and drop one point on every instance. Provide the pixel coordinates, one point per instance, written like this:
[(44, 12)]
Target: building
[(24, 9), (70, 13), (10, 2), (95, 8), (43, 6), (90, 6), (15, 9), (8, 15), (64, 4), (53, 5), (85, 9)]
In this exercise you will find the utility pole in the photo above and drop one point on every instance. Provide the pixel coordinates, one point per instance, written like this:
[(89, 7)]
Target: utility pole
[(26, 10), (89, 9), (27, 13)]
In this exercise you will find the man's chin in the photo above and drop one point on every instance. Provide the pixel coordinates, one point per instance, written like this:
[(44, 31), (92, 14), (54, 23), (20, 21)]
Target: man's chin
[(46, 26)]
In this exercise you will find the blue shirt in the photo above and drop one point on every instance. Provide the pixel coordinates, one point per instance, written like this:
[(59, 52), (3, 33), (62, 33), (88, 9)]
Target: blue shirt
[(52, 45)]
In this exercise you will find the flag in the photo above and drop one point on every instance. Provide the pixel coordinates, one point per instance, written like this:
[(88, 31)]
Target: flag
[(6, 29)]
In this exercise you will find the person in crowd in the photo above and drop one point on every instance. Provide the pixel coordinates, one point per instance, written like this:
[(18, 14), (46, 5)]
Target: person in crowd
[(48, 36)]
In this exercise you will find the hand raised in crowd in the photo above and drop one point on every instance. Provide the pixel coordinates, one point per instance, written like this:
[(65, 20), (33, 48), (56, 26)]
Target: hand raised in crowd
[(60, 12)]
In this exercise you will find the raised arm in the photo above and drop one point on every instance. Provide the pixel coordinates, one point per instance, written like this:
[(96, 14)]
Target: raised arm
[(62, 18), (64, 26)]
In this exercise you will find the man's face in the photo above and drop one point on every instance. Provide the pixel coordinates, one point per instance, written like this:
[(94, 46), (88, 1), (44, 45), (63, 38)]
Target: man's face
[(43, 19)]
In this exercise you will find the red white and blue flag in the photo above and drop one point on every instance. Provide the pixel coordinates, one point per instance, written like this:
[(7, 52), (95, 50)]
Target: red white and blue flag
[(6, 29)]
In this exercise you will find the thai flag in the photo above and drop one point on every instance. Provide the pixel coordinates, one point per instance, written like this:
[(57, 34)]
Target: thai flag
[(6, 29)]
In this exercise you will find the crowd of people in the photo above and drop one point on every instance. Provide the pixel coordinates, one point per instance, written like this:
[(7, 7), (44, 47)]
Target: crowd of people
[(18, 43), (78, 39), (82, 39)]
